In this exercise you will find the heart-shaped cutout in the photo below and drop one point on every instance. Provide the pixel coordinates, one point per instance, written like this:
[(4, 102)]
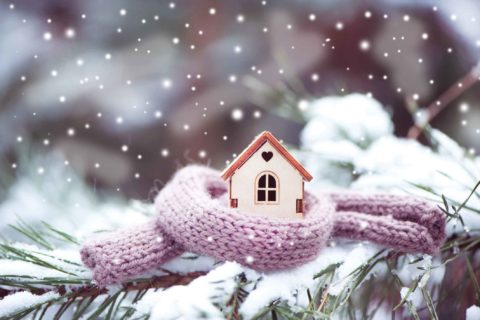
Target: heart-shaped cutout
[(267, 155)]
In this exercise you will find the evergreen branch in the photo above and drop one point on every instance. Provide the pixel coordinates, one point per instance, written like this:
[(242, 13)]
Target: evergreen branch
[(23, 255), (61, 234), (411, 289), (464, 203), (75, 292), (429, 302), (329, 269), (237, 297), (39, 236), (409, 304), (358, 276), (85, 295), (31, 233), (85, 288)]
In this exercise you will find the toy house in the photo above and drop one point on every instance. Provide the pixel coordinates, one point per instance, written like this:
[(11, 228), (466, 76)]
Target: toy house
[(265, 179)]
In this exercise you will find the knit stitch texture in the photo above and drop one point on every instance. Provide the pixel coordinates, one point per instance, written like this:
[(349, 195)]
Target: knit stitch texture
[(193, 216)]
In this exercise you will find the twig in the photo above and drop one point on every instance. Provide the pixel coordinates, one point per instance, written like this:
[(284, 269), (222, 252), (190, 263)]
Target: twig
[(453, 92), (91, 290)]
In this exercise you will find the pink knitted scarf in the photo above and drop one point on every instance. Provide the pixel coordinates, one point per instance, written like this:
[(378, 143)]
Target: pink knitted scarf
[(193, 216)]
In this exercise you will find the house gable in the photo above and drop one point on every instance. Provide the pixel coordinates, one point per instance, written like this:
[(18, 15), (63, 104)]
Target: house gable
[(263, 138)]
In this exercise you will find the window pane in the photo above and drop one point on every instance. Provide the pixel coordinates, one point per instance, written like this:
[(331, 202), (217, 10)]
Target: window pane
[(272, 195), (262, 181), (261, 195), (272, 183)]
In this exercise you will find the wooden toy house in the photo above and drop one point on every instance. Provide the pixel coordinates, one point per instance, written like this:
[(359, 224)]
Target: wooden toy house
[(265, 179)]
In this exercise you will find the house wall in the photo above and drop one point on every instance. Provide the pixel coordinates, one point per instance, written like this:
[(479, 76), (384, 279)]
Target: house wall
[(289, 179)]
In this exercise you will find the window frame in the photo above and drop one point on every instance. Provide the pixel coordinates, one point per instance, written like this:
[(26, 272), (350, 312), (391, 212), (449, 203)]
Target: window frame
[(267, 188)]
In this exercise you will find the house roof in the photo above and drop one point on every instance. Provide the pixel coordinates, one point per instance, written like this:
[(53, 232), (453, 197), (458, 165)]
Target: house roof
[(259, 141)]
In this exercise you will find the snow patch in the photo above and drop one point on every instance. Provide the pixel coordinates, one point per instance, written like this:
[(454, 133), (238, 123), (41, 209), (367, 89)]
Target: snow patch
[(22, 300), (22, 268), (349, 142), (194, 300), (291, 285), (473, 313), (353, 117), (189, 262), (356, 258), (415, 297)]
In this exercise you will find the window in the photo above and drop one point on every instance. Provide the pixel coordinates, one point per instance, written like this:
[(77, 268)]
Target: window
[(267, 188)]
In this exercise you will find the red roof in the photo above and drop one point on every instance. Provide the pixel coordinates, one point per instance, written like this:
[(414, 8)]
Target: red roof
[(259, 141)]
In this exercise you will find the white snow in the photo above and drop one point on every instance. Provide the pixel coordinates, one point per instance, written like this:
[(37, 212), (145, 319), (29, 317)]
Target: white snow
[(22, 268), (69, 206), (200, 296), (354, 117), (290, 285), (404, 292), (415, 297), (22, 300), (330, 136), (194, 300), (473, 313), (428, 274), (429, 270), (65, 259), (189, 262), (381, 161), (355, 259)]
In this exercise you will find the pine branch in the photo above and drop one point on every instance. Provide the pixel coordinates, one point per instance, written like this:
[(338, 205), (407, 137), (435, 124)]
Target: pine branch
[(237, 298), (90, 292), (73, 290)]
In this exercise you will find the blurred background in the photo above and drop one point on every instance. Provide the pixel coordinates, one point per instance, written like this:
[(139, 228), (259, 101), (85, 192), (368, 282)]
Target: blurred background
[(128, 91)]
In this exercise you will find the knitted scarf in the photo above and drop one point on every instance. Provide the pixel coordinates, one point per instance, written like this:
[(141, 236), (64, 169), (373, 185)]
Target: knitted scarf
[(192, 215)]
